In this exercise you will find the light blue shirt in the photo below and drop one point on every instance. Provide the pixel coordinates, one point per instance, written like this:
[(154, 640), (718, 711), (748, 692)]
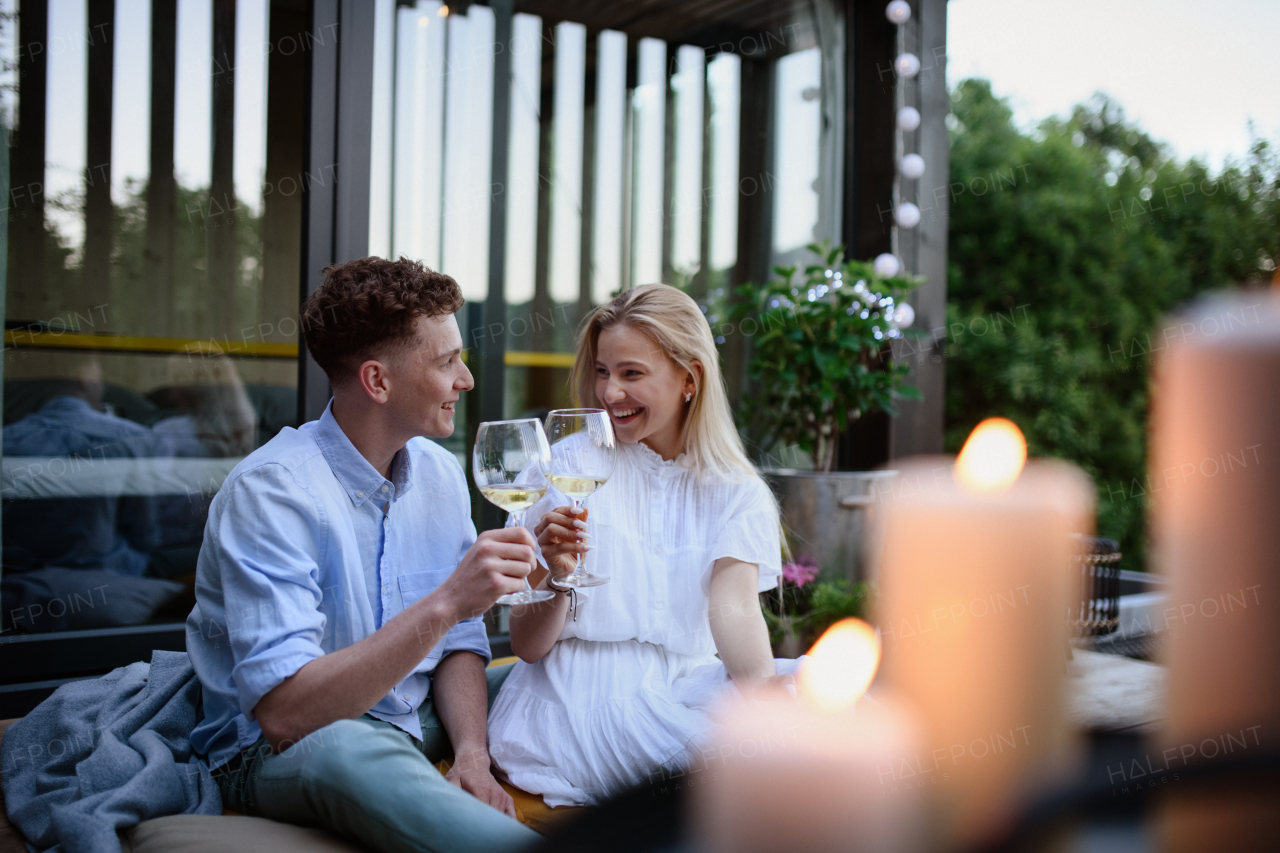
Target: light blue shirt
[(299, 560)]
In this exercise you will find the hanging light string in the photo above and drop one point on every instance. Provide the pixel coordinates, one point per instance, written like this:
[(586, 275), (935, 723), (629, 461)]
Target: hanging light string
[(906, 215)]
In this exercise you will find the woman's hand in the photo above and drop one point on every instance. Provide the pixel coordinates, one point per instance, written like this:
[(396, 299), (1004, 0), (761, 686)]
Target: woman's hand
[(562, 538)]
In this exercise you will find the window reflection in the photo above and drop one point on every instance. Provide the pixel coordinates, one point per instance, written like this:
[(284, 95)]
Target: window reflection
[(151, 292)]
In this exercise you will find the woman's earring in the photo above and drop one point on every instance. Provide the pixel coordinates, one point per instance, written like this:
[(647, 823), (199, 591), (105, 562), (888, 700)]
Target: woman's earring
[(688, 395)]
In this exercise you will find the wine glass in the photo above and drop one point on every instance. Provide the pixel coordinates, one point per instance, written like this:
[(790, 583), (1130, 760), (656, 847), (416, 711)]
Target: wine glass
[(508, 463), (583, 453)]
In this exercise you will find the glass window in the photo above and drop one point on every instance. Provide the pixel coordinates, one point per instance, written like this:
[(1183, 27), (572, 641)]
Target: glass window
[(522, 158), (687, 86), (799, 111), (151, 290), (624, 154), (610, 163), (566, 170), (724, 76), (648, 138), (468, 133)]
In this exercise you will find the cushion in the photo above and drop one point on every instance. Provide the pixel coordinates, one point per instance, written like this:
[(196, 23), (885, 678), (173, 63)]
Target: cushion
[(215, 834)]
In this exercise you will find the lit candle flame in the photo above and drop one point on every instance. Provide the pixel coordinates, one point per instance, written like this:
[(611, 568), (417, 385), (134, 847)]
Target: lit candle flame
[(444, 12), (993, 456), (840, 665)]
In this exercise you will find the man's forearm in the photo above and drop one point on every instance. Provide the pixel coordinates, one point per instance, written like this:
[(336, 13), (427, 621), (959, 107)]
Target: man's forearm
[(347, 683), (462, 700)]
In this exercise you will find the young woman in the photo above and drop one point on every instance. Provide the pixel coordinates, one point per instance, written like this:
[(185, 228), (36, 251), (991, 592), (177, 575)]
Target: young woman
[(615, 690)]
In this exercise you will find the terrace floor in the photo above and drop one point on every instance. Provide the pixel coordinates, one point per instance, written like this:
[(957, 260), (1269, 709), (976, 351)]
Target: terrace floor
[(1115, 693)]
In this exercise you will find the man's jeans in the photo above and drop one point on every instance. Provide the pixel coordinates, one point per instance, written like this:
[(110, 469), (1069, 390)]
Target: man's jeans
[(368, 781)]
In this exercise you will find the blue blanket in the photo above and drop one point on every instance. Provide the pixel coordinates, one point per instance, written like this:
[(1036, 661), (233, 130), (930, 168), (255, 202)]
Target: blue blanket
[(99, 756)]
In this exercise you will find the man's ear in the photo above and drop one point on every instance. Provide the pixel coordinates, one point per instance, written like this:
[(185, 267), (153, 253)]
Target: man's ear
[(375, 380)]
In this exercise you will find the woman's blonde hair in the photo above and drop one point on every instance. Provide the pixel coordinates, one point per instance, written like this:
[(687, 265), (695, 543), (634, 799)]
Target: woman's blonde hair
[(672, 320)]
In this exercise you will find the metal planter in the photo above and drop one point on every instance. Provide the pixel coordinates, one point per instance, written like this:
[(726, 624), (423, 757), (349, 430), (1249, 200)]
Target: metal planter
[(825, 516)]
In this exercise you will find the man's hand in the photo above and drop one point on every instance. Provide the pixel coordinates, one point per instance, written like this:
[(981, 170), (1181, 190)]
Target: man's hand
[(470, 772), (497, 564)]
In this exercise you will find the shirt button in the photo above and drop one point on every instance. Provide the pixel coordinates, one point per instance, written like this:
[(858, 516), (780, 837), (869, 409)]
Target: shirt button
[(359, 494), (384, 488), (657, 605)]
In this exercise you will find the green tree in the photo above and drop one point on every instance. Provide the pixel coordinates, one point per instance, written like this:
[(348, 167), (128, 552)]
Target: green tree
[(1068, 248)]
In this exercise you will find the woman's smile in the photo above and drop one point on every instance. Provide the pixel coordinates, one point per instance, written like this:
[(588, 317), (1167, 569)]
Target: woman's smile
[(623, 415)]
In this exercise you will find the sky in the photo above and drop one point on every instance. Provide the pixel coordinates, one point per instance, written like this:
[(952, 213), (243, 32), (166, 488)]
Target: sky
[(1191, 73)]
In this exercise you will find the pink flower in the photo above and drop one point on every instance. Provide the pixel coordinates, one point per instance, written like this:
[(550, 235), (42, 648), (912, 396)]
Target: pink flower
[(799, 573)]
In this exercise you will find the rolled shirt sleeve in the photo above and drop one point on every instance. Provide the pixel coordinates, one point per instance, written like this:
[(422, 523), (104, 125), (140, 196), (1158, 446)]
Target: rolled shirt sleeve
[(467, 636), (265, 543)]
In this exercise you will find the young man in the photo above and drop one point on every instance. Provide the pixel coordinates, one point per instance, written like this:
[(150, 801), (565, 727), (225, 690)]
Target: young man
[(341, 584)]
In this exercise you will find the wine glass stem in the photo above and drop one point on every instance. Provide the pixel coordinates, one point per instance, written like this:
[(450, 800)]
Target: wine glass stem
[(518, 517), (577, 562)]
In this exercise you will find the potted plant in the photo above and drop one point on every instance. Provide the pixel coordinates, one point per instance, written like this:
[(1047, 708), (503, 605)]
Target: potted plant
[(802, 608), (821, 360)]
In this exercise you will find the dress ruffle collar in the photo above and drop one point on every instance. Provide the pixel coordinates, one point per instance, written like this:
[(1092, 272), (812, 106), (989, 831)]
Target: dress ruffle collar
[(649, 459)]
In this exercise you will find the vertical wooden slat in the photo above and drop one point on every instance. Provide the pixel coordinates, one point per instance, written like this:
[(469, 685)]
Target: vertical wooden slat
[(317, 192), (286, 145), (755, 203), (919, 427), (491, 367), (868, 183), (95, 284), (161, 186), (222, 214), (31, 296)]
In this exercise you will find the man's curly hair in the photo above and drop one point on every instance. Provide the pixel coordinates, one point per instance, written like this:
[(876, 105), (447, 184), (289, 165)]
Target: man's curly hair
[(367, 308)]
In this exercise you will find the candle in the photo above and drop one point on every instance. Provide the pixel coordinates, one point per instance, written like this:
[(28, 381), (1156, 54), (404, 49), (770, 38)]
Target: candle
[(975, 581), (1216, 535), (813, 774)]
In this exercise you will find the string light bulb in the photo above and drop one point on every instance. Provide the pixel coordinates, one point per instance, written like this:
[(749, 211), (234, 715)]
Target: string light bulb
[(904, 315), (912, 166), (907, 65), (886, 265), (907, 215), (908, 118), (898, 12)]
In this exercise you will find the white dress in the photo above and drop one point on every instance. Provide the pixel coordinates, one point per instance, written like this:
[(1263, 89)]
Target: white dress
[(624, 694)]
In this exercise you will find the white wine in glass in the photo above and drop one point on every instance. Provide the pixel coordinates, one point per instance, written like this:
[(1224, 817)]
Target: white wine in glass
[(508, 463), (583, 453)]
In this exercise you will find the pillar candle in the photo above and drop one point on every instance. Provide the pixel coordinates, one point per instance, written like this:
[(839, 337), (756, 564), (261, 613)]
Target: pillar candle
[(812, 774), (975, 582), (1216, 534)]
